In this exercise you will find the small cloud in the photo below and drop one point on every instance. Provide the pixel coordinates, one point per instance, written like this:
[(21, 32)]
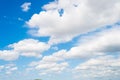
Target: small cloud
[(26, 6), (20, 19)]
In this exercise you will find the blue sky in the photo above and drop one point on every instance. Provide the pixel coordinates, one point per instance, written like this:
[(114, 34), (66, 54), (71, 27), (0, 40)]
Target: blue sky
[(59, 39)]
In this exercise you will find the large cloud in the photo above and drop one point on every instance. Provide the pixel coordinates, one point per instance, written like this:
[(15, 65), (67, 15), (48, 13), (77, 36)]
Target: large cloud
[(99, 44), (62, 20), (96, 49), (30, 47), (107, 41), (100, 52)]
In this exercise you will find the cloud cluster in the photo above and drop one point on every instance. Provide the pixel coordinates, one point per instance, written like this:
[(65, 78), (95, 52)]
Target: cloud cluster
[(26, 47), (63, 20), (52, 64), (107, 41), (100, 44), (100, 50), (48, 67), (101, 67), (26, 6), (8, 55), (8, 68)]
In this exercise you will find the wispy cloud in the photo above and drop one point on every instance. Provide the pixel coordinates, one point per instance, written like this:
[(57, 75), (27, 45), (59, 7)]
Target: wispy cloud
[(26, 6)]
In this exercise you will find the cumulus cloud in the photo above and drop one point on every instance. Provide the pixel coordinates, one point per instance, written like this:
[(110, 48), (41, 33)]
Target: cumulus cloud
[(107, 41), (62, 20), (100, 67), (26, 47), (26, 6), (102, 43), (30, 47), (102, 53), (48, 67), (78, 17), (8, 55), (55, 57), (51, 64)]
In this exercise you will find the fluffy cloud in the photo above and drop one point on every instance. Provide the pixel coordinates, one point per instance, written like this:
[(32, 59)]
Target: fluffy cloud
[(8, 55), (62, 20), (102, 43), (55, 57), (107, 41), (100, 51), (26, 47), (101, 67), (26, 6), (51, 64), (97, 49), (30, 47), (48, 67), (77, 16)]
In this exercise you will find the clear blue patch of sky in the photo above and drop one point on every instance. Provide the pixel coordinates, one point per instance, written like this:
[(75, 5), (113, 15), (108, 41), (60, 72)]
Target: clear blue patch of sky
[(61, 12)]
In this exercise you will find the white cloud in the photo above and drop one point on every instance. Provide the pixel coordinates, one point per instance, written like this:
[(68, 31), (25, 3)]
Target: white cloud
[(55, 57), (50, 6), (101, 50), (8, 55), (97, 49), (26, 6), (101, 67), (78, 17), (49, 67), (107, 41), (26, 47), (30, 47), (51, 64), (99, 44)]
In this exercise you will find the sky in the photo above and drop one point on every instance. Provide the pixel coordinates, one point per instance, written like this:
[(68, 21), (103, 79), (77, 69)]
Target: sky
[(60, 39)]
